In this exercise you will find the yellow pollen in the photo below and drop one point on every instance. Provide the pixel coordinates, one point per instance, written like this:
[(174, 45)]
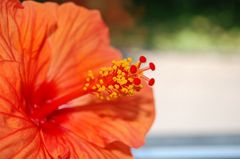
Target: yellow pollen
[(110, 87), (101, 81), (115, 81), (116, 86)]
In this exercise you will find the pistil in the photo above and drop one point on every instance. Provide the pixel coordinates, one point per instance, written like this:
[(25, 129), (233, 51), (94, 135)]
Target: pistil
[(121, 79), (43, 111)]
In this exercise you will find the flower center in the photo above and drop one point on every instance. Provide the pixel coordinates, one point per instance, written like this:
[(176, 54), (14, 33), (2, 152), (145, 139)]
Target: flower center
[(121, 79)]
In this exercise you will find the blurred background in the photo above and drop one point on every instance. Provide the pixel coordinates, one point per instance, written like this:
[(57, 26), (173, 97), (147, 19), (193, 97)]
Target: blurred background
[(195, 45)]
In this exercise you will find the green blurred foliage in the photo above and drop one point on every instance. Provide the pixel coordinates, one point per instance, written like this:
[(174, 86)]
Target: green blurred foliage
[(190, 25), (179, 25), (222, 12)]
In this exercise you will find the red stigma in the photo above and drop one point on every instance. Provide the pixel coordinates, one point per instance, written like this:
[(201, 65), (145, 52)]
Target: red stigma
[(133, 69), (137, 81), (142, 59), (137, 71), (151, 82), (152, 66)]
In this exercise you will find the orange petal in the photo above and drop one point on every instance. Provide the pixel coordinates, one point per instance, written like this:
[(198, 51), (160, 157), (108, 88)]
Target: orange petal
[(69, 145), (80, 43), (23, 37), (35, 24), (8, 28), (19, 138), (10, 89), (120, 150), (126, 120)]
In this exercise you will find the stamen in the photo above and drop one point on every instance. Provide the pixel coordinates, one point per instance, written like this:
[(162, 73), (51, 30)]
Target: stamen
[(121, 79)]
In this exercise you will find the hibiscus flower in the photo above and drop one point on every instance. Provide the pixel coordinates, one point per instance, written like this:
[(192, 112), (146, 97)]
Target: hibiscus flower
[(62, 95)]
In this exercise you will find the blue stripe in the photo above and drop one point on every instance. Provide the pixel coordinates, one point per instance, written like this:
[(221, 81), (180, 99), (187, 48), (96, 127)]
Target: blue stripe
[(188, 152)]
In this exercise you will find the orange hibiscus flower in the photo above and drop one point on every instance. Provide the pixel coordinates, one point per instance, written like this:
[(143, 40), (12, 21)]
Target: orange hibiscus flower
[(61, 93)]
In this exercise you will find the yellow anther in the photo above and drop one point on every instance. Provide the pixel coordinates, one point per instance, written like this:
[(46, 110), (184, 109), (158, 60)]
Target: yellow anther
[(131, 86), (113, 95), (97, 95), (125, 90), (114, 67), (114, 79), (121, 79), (105, 73), (119, 76), (103, 88), (101, 81), (110, 87), (116, 86), (90, 75), (129, 59), (119, 72), (130, 79), (131, 91)]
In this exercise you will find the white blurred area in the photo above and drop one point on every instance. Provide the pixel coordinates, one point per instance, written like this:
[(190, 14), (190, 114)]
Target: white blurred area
[(196, 94)]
